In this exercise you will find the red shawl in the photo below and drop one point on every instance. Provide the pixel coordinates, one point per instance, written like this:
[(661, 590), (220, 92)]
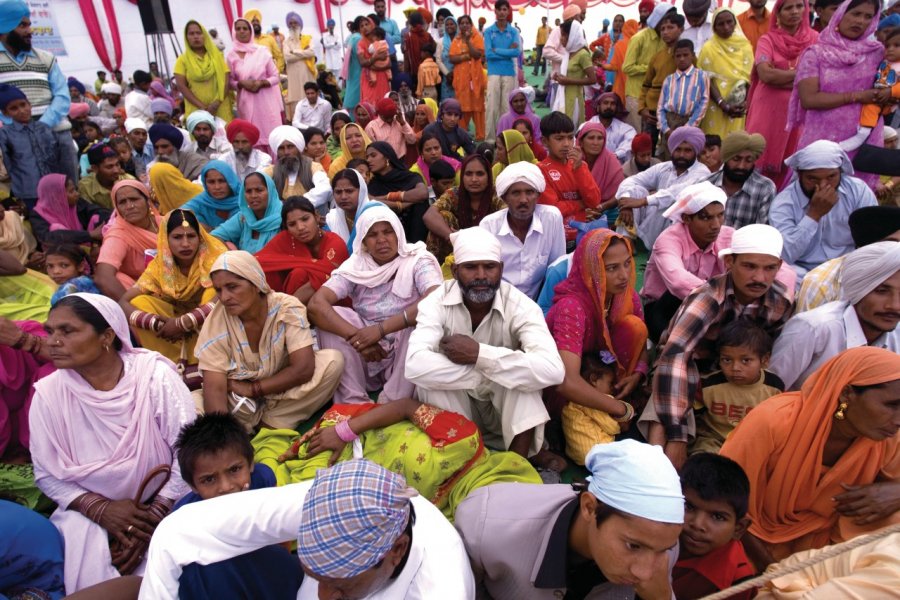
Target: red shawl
[(289, 265)]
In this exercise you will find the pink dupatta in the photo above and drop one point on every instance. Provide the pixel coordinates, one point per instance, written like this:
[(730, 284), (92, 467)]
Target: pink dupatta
[(606, 170)]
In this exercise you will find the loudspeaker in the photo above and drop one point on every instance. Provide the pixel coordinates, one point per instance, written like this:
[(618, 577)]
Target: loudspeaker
[(155, 16)]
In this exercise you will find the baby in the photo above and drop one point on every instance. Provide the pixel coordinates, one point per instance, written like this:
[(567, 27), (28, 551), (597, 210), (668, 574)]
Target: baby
[(887, 80), (378, 45)]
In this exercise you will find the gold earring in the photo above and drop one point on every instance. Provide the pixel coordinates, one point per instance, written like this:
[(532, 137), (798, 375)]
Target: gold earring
[(106, 347), (842, 408)]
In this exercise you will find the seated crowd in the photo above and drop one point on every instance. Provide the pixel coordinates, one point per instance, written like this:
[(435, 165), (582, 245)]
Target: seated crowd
[(262, 337)]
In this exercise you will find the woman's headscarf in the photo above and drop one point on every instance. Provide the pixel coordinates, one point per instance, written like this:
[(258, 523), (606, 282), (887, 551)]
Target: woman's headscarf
[(429, 117), (205, 206), (517, 150), (210, 66), (345, 150), (271, 220), (158, 91), (164, 278), (511, 116), (586, 283), (369, 108), (786, 45), (398, 179), (53, 204), (338, 222), (780, 447), (362, 269), (238, 46), (243, 264), (466, 217), (448, 40), (728, 59), (607, 170), (433, 105), (136, 238), (172, 190), (12, 236)]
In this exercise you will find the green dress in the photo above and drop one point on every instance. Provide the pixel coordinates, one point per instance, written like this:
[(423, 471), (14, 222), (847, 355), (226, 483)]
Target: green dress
[(579, 63)]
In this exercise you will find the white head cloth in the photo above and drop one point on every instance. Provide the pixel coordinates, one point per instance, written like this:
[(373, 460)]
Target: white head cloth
[(475, 244), (755, 239), (659, 11), (866, 268), (111, 88), (286, 133), (523, 172), (112, 313), (695, 198), (637, 479), (821, 154), (133, 123)]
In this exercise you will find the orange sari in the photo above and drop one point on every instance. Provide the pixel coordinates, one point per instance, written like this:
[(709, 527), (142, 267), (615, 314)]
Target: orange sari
[(469, 80), (619, 49), (780, 446)]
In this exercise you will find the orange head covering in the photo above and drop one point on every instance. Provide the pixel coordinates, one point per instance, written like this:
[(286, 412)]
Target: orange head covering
[(630, 28), (780, 446)]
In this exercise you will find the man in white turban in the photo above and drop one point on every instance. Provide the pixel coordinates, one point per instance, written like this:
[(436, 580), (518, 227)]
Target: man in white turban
[(812, 212), (866, 315), (294, 173), (111, 100), (482, 348), (525, 541), (531, 235)]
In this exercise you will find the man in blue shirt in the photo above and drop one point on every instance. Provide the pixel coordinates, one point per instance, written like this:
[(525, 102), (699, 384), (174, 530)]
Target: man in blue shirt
[(38, 75), (502, 46), (391, 31)]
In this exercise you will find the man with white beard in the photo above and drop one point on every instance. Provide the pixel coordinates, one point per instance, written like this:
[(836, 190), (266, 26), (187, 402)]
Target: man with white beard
[(300, 61)]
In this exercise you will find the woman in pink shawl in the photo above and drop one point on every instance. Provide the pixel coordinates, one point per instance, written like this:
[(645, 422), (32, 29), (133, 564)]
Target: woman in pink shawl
[(106, 418), (835, 78), (371, 91), (519, 107), (772, 80), (253, 74), (158, 90), (605, 167)]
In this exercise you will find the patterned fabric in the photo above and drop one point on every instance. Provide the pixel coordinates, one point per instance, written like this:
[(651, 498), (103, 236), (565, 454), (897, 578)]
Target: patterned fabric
[(448, 207), (32, 77), (692, 333), (821, 285), (750, 204), (684, 93)]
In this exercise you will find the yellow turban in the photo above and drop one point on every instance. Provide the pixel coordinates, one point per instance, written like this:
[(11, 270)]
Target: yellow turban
[(739, 141)]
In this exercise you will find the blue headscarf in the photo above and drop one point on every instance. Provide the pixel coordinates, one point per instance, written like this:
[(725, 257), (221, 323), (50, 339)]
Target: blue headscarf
[(270, 223), (445, 51), (205, 206), (11, 14)]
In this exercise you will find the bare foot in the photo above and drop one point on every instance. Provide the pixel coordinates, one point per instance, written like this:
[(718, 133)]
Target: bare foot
[(549, 461)]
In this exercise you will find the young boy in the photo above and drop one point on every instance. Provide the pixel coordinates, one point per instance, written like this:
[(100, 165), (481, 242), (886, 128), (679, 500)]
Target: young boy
[(216, 458), (661, 66), (570, 186), (585, 427), (685, 93), (30, 149), (712, 153), (887, 81), (429, 74), (442, 176), (711, 558)]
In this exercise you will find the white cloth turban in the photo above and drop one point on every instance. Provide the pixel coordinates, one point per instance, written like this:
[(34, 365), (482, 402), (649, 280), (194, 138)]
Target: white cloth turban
[(637, 479), (755, 239), (822, 154), (695, 198), (475, 244), (520, 172), (134, 123), (868, 267), (111, 88), (286, 133)]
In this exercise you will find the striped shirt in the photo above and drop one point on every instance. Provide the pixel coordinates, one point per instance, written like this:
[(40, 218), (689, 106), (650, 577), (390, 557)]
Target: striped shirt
[(684, 93)]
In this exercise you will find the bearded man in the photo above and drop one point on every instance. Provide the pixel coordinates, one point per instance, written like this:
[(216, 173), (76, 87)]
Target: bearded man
[(750, 193)]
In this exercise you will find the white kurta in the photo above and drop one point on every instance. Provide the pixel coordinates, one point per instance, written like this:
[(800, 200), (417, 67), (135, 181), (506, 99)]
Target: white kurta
[(334, 52)]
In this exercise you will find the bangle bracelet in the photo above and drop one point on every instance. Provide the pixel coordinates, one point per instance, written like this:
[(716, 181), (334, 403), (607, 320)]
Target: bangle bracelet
[(629, 413), (381, 329), (256, 386), (405, 318), (344, 432)]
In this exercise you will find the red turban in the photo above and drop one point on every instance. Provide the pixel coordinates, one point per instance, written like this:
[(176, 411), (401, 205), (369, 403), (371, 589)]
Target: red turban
[(386, 108), (250, 131), (641, 143), (646, 5), (426, 14), (582, 4)]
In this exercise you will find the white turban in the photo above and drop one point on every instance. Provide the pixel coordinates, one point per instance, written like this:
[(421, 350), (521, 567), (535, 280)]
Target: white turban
[(821, 154), (475, 244), (868, 267), (637, 479), (111, 88), (695, 198), (520, 172), (755, 239), (134, 123), (286, 133)]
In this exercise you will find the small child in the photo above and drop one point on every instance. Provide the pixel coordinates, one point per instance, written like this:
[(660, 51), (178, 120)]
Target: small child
[(378, 45), (429, 74), (360, 165), (442, 177), (216, 458), (126, 159), (585, 427), (711, 557), (688, 106), (728, 395), (68, 266), (29, 147), (887, 79), (712, 153)]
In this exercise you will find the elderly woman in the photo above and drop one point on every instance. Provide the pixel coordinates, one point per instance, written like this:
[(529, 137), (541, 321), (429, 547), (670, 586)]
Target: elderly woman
[(401, 190), (777, 54), (170, 188), (132, 232), (519, 108), (202, 76), (254, 76), (463, 206), (354, 141), (258, 219), (220, 197), (168, 304), (469, 78), (834, 79), (256, 351), (728, 58), (127, 407), (62, 216), (385, 278), (823, 462), (605, 167), (597, 311), (301, 257)]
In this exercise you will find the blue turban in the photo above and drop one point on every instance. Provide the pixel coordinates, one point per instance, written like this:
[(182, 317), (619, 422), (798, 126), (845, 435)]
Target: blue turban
[(161, 105), (330, 23), (889, 22), (293, 15), (401, 78), (164, 131), (11, 14), (8, 93), (200, 116), (74, 83)]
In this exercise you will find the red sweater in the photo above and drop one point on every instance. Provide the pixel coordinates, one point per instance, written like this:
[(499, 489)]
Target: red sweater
[(703, 575), (571, 191)]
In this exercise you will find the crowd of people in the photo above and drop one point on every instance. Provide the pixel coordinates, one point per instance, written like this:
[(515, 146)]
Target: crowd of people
[(333, 320)]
